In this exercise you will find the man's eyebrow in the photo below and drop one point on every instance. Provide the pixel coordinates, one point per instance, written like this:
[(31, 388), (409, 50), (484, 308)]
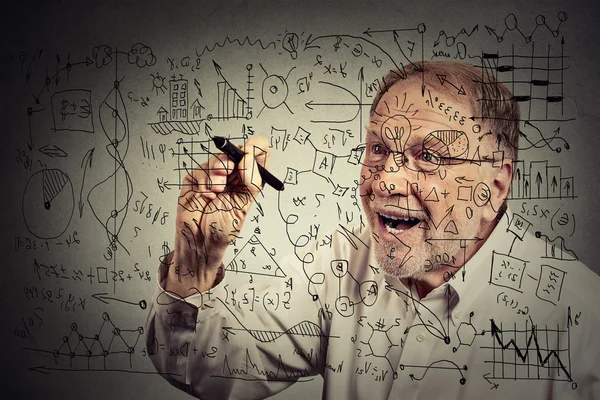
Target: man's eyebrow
[(406, 148), (373, 127), (373, 133)]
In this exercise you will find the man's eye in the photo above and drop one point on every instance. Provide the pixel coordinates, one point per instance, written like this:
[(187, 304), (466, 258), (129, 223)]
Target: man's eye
[(430, 158), (377, 148)]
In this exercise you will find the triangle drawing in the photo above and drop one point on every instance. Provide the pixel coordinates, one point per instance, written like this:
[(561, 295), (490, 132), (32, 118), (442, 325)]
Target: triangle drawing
[(424, 225), (432, 196), (476, 157), (253, 258), (451, 228)]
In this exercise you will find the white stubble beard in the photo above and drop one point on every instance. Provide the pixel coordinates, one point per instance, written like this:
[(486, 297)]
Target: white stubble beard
[(413, 263)]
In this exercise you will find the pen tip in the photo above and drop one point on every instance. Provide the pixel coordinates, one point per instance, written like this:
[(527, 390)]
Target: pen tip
[(219, 141)]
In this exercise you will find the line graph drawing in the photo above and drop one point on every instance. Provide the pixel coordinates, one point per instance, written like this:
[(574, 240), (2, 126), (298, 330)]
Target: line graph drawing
[(449, 40), (250, 371), (512, 24), (97, 352), (556, 248), (529, 353), (303, 329)]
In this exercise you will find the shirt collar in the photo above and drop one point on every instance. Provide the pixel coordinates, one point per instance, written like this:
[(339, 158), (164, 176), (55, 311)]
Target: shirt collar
[(473, 277)]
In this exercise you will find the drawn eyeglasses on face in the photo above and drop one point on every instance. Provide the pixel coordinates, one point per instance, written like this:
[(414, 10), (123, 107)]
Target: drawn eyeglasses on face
[(439, 148)]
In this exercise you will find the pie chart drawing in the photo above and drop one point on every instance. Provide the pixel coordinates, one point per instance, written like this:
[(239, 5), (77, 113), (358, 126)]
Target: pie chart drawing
[(48, 203)]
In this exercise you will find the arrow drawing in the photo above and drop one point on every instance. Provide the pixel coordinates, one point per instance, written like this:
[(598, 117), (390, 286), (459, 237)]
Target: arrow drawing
[(87, 160), (103, 298), (310, 105), (443, 80)]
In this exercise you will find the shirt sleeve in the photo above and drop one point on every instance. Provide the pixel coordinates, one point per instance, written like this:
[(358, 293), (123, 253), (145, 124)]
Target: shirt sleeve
[(248, 342)]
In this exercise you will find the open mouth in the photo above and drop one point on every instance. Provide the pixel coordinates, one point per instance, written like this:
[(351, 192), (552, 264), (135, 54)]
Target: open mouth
[(397, 224)]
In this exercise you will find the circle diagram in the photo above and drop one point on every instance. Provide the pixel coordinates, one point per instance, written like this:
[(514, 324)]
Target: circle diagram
[(274, 91), (48, 203)]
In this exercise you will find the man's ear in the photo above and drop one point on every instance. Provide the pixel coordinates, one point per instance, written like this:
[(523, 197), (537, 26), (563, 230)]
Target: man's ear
[(499, 189)]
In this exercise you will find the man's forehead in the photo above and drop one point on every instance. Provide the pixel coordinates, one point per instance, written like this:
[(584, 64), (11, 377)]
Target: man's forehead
[(417, 124), (404, 109), (407, 96)]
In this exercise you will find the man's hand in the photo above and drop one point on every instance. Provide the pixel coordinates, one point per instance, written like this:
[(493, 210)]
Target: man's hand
[(214, 200)]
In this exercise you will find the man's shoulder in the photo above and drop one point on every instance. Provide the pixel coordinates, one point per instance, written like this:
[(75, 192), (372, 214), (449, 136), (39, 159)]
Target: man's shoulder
[(580, 285), (560, 276)]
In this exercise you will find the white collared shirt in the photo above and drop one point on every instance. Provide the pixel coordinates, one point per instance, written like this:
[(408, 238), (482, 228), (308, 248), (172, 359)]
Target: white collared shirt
[(515, 321)]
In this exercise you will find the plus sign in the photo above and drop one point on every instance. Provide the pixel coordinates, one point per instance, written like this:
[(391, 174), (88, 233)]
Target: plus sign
[(445, 193)]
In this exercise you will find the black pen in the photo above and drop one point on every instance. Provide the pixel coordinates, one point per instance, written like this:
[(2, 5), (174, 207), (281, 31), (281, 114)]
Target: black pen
[(235, 154)]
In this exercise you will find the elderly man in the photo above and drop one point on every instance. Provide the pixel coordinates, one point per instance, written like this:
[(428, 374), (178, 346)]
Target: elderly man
[(445, 294)]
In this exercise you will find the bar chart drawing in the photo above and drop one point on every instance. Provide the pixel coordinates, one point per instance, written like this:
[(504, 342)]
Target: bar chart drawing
[(230, 104), (540, 181)]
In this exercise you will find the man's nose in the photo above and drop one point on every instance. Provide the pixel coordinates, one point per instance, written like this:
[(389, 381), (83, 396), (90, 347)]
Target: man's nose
[(395, 178)]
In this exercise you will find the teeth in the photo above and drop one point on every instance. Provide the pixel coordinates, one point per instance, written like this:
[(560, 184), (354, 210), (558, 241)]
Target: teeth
[(393, 231), (396, 218), (391, 221)]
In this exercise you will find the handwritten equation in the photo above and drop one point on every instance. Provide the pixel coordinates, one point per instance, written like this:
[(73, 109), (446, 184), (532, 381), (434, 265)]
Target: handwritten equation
[(112, 142)]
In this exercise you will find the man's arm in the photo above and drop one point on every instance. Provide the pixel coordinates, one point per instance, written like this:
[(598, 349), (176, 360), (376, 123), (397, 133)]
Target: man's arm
[(217, 345), (198, 336)]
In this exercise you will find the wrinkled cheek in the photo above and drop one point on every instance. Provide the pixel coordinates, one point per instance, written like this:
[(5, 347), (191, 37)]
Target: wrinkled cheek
[(365, 182)]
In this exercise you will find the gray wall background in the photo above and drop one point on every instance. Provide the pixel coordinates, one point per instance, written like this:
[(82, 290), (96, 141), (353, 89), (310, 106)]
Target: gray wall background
[(40, 40)]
